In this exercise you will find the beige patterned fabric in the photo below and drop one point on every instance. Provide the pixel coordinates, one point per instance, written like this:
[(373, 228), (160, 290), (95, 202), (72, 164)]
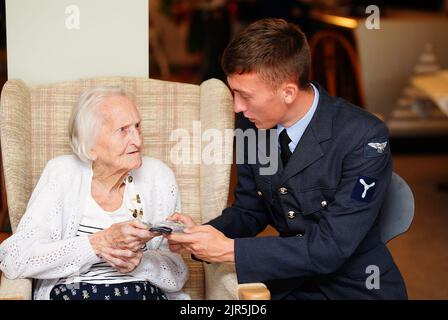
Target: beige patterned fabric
[(15, 289), (34, 123)]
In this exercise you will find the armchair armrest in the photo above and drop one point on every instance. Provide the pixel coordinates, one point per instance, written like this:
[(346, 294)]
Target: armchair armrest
[(253, 291), (19, 289), (222, 284)]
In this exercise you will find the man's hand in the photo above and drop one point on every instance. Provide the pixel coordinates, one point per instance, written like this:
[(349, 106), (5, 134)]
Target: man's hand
[(178, 217), (205, 242), (189, 223)]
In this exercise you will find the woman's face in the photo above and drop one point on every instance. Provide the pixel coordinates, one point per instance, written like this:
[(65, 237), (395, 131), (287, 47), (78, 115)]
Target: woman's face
[(120, 140)]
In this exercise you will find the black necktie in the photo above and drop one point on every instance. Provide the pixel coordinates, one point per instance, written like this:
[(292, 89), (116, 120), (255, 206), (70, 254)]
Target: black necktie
[(284, 140)]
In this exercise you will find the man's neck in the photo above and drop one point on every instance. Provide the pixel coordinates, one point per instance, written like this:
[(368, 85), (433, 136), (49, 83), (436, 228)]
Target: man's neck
[(300, 106)]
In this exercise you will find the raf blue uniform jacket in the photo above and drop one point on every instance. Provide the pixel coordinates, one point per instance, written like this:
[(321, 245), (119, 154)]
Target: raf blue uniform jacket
[(324, 204)]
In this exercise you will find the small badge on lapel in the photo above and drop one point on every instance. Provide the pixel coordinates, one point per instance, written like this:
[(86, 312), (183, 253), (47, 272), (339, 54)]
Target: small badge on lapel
[(376, 148), (364, 189)]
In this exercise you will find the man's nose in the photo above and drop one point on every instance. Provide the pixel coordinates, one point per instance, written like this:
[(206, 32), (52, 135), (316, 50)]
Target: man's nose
[(238, 106)]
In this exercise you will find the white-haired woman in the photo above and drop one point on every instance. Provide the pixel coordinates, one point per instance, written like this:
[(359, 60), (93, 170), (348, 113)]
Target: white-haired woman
[(85, 233)]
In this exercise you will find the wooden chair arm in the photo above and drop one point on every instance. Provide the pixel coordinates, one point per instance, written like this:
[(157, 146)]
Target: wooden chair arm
[(253, 291)]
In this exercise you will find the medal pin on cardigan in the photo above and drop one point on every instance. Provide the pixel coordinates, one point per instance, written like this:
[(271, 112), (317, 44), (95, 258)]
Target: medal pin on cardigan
[(136, 208), (135, 205)]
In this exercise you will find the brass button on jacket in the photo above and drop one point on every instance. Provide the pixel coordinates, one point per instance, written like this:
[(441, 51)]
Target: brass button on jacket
[(291, 214)]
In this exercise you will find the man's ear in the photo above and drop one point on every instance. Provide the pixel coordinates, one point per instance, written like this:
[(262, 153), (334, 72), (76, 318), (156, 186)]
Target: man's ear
[(290, 92)]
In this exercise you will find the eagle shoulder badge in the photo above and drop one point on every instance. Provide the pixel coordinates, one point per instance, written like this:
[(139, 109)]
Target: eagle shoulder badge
[(376, 148)]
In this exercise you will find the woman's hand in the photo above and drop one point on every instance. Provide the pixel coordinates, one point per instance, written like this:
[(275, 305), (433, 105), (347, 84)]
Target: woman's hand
[(120, 244), (124, 261), (128, 235)]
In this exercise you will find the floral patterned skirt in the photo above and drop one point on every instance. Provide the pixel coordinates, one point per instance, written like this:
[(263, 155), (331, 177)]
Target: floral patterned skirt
[(117, 291)]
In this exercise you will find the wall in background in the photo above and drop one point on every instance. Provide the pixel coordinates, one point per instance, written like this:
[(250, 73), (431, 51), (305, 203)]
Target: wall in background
[(59, 40), (404, 47)]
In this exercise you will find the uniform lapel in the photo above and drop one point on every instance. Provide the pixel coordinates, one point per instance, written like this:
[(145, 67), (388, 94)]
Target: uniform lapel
[(307, 151)]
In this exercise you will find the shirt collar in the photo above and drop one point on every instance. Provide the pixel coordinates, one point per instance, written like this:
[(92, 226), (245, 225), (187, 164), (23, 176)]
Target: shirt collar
[(296, 131)]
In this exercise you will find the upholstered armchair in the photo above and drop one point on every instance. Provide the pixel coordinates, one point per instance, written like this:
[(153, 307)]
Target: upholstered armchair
[(33, 122)]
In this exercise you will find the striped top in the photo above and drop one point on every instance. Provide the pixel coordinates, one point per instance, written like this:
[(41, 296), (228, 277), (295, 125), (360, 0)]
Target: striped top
[(96, 219)]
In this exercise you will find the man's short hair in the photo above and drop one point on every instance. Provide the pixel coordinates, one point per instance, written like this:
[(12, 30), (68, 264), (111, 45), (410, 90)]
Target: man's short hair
[(86, 121), (273, 48)]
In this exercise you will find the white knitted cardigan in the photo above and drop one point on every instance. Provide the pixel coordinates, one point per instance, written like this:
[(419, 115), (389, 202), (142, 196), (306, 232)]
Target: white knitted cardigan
[(45, 246)]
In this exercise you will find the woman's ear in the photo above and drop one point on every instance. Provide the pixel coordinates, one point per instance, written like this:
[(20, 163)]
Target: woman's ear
[(290, 91)]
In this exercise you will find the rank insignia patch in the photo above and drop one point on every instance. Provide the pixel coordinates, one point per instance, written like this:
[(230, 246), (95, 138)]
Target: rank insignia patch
[(364, 189)]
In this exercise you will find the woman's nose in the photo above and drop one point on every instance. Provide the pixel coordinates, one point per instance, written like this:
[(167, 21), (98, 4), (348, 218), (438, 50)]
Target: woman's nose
[(136, 137)]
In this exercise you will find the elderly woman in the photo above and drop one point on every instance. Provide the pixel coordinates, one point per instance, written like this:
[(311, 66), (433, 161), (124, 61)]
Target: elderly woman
[(85, 233)]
